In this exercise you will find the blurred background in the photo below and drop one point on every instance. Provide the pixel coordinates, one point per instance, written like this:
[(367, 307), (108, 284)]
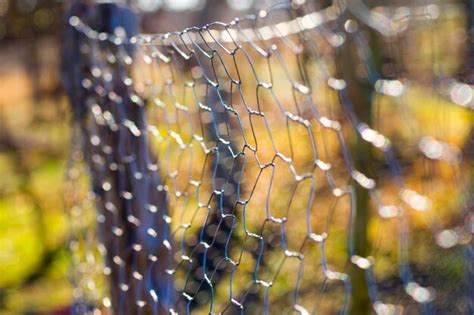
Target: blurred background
[(35, 132)]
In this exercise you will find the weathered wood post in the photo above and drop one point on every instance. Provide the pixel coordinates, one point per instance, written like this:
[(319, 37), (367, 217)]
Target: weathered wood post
[(124, 174)]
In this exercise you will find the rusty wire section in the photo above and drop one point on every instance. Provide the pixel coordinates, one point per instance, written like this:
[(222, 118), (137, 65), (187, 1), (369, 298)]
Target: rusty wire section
[(223, 163)]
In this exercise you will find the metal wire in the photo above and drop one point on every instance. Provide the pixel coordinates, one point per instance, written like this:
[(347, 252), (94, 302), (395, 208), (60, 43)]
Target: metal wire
[(225, 165)]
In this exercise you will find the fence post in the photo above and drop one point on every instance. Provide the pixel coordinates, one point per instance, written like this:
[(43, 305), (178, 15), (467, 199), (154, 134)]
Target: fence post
[(124, 176)]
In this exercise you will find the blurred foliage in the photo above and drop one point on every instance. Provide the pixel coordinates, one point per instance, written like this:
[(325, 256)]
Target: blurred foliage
[(34, 141), (33, 224), (28, 18)]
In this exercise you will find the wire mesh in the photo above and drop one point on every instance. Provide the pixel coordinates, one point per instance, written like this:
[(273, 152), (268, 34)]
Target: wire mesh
[(289, 161)]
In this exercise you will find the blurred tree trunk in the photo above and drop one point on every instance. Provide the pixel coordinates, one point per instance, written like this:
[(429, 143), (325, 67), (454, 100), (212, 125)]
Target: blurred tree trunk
[(467, 71), (360, 92)]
